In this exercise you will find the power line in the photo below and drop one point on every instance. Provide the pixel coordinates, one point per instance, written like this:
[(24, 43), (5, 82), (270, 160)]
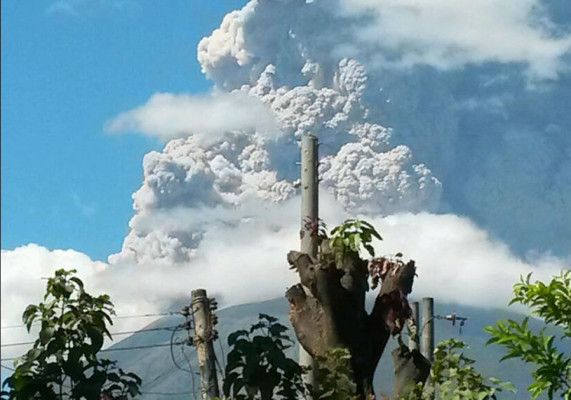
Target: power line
[(148, 382), (17, 344), (191, 373), (222, 351), (168, 328), (136, 347), (118, 349), (168, 394), (15, 326), (149, 315), (112, 334), (114, 317), (172, 353), (6, 367)]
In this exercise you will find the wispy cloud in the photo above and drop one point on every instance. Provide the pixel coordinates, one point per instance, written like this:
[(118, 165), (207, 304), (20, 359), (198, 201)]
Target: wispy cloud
[(208, 117), (449, 34), (77, 7), (87, 210)]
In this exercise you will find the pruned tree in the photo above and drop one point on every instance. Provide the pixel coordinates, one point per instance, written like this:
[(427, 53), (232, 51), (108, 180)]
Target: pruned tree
[(327, 309)]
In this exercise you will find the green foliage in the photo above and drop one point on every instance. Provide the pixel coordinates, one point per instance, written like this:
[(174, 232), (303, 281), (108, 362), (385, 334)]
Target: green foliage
[(552, 303), (63, 362), (347, 239), (334, 376), (257, 368), (453, 377)]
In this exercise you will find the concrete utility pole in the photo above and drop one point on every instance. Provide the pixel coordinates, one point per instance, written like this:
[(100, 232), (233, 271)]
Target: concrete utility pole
[(428, 327), (414, 339), (203, 337), (309, 220)]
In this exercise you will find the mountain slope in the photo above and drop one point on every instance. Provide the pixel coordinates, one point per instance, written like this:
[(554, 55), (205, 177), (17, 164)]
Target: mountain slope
[(162, 379)]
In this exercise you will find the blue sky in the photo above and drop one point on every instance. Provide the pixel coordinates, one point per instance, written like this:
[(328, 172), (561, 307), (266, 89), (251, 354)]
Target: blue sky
[(67, 68), (480, 142)]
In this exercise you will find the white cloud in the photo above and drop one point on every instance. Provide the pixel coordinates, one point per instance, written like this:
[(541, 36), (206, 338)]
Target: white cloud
[(22, 271), (449, 34), (242, 258), (208, 117), (87, 210), (458, 261), (77, 7)]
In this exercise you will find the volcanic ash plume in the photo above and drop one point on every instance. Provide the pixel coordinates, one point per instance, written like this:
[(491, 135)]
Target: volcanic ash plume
[(452, 142), (360, 166)]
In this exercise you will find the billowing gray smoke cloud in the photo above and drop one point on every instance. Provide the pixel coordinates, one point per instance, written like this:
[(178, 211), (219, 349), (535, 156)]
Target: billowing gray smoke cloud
[(477, 136), (486, 110), (321, 95)]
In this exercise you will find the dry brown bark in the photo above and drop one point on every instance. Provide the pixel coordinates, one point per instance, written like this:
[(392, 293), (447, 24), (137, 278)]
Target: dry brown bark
[(327, 310)]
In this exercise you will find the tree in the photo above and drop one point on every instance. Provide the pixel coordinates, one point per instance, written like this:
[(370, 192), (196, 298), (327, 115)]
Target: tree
[(552, 303), (63, 362), (327, 309)]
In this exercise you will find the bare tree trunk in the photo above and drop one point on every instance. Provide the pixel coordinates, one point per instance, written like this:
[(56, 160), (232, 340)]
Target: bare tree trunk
[(334, 315)]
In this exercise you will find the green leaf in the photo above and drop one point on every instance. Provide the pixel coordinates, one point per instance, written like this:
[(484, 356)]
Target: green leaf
[(96, 337), (233, 337), (46, 334), (268, 318)]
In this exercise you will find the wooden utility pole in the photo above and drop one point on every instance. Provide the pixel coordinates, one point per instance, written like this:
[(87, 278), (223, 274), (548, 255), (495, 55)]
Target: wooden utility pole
[(413, 340), (203, 337), (309, 221), (428, 327)]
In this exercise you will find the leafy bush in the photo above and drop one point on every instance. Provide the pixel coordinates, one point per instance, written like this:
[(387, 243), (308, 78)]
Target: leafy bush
[(334, 377), (552, 303), (257, 367), (453, 377), (63, 362)]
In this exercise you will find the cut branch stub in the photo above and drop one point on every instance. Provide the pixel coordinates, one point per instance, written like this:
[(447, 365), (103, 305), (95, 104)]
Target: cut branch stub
[(410, 368), (391, 304)]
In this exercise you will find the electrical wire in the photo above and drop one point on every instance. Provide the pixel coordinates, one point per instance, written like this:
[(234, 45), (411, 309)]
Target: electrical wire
[(148, 315), (135, 347), (219, 367), (15, 326), (172, 353), (186, 358), (167, 328), (147, 382), (117, 349), (16, 344), (115, 317), (168, 394), (222, 351), (112, 334), (191, 373), (6, 367)]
